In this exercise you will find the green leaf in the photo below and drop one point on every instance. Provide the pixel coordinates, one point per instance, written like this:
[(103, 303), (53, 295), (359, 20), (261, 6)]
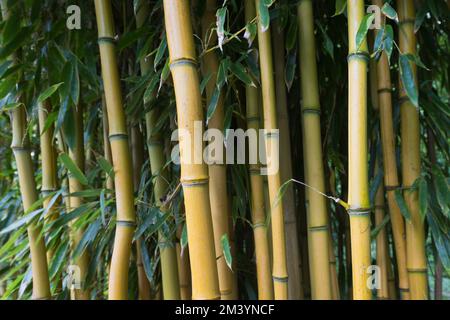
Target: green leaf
[(161, 50), (222, 72), (250, 33), (88, 237), (264, 16), (389, 12), (205, 82), (226, 249), (340, 6), (17, 42), (48, 92), (366, 22), (221, 15), (184, 238), (73, 168), (402, 204), (423, 197), (442, 191), (212, 104), (389, 41), (374, 233), (289, 72), (22, 221), (281, 192), (408, 81), (106, 166), (239, 71)]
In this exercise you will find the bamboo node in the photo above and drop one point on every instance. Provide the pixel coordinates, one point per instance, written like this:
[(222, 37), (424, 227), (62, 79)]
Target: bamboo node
[(407, 21), (280, 279), (384, 90), (359, 211), (312, 111), (20, 149), (118, 136), (183, 61), (318, 228), (392, 188), (194, 182), (111, 40), (363, 55), (253, 118), (258, 225), (126, 223)]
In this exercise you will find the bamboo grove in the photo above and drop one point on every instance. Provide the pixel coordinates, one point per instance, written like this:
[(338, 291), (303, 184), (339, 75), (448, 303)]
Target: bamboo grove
[(108, 191)]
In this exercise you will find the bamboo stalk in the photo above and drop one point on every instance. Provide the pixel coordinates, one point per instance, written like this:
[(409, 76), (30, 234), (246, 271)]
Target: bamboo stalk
[(137, 150), (49, 168), (126, 220), (416, 261), (317, 215), (28, 192), (184, 271), (381, 243), (358, 196), (390, 167), (76, 153), (260, 227), (279, 271), (106, 145), (218, 194), (295, 287), (194, 176), (168, 258)]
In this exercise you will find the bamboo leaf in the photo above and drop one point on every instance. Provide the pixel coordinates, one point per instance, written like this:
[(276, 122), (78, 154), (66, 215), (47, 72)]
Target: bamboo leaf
[(73, 168), (239, 71), (88, 237), (18, 41), (366, 22), (250, 33), (226, 249), (184, 238), (389, 12), (374, 233), (221, 15), (48, 92), (161, 50), (408, 81), (106, 166), (340, 6), (402, 204), (264, 16), (146, 261), (212, 104), (389, 41)]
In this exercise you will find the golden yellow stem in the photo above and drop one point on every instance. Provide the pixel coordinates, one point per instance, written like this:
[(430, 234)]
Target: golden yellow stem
[(126, 220), (317, 215), (416, 261), (194, 176), (358, 186), (279, 271), (218, 194)]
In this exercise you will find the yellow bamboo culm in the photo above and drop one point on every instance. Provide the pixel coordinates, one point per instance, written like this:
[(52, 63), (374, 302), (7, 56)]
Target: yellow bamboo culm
[(391, 182), (358, 185), (260, 228), (137, 151), (295, 286), (76, 153), (317, 215), (49, 168), (106, 145), (416, 261), (194, 176), (218, 194), (27, 184), (118, 137), (155, 144), (184, 271), (28, 192), (279, 266), (381, 243)]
